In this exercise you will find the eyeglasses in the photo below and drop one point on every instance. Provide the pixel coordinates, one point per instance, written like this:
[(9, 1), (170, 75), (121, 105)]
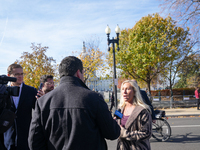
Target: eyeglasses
[(18, 74), (50, 83)]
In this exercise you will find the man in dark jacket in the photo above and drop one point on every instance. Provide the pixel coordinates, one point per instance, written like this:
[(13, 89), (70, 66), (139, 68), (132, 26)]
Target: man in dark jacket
[(71, 117), (147, 101), (16, 137)]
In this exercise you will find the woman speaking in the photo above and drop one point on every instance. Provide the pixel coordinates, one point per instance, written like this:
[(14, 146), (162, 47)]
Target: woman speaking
[(136, 123)]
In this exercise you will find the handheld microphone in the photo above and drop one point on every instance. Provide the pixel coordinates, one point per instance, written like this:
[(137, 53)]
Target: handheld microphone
[(118, 114)]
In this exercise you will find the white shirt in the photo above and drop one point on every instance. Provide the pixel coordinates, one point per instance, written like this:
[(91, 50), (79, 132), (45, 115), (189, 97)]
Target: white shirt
[(16, 98)]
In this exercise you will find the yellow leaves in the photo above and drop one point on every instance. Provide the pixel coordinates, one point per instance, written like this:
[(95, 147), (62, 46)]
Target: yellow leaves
[(36, 64), (92, 61), (150, 45)]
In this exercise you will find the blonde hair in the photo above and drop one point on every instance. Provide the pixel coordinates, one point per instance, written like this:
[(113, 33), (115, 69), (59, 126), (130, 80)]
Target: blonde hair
[(137, 99)]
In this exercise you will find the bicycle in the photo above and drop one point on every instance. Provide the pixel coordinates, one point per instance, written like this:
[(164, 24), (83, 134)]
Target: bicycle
[(161, 129)]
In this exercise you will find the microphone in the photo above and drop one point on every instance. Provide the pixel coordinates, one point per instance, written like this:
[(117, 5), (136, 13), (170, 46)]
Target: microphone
[(118, 114)]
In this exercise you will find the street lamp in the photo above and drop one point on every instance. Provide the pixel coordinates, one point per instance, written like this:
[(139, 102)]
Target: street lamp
[(113, 41)]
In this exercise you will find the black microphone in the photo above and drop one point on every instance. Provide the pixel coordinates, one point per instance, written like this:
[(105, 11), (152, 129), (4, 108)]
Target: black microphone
[(118, 114)]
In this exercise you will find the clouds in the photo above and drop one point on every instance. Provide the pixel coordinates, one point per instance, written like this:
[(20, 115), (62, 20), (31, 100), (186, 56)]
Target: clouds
[(62, 25)]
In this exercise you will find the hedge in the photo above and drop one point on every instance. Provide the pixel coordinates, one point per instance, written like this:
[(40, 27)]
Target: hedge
[(180, 91)]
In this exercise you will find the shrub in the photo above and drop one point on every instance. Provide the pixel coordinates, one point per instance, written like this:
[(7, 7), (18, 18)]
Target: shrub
[(180, 91)]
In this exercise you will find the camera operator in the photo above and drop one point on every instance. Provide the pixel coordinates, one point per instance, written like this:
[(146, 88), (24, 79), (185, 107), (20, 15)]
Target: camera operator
[(16, 137), (6, 116)]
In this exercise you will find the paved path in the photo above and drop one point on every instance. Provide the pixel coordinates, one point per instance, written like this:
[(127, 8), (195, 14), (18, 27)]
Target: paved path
[(175, 112)]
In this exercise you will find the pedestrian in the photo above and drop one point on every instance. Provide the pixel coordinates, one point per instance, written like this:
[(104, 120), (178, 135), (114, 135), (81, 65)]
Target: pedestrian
[(197, 94), (72, 116), (136, 123), (148, 102), (112, 101), (16, 137), (47, 85)]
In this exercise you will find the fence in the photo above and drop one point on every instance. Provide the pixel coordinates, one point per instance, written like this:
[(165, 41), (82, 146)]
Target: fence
[(165, 101), (174, 101)]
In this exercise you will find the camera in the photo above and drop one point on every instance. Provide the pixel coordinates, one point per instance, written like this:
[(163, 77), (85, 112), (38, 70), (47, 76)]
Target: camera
[(11, 91), (6, 116)]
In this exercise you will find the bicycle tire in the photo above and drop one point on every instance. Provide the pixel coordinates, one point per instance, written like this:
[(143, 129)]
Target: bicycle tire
[(161, 130)]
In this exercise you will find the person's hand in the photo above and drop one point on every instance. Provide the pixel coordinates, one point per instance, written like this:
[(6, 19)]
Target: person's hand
[(122, 128), (39, 94)]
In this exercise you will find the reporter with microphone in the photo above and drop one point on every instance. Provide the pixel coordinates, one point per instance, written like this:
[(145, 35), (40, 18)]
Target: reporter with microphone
[(136, 121)]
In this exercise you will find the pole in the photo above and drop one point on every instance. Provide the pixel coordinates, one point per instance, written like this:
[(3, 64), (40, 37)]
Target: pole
[(114, 80)]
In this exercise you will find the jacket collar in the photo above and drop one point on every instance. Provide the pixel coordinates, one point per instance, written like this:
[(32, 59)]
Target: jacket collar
[(73, 79)]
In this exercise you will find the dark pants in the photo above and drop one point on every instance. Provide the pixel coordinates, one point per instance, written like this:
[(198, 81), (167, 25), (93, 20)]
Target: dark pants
[(111, 106), (198, 103)]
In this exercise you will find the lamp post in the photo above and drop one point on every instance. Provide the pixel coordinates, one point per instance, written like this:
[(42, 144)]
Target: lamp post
[(113, 41)]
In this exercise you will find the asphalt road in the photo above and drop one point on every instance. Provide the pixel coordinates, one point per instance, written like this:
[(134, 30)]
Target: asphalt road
[(185, 136)]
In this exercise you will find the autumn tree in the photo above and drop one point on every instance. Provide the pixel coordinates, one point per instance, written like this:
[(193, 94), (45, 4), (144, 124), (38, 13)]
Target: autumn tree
[(186, 12), (92, 58), (189, 75), (148, 47), (36, 64), (182, 48)]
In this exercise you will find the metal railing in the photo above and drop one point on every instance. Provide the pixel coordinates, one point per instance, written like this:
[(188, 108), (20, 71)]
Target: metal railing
[(174, 101)]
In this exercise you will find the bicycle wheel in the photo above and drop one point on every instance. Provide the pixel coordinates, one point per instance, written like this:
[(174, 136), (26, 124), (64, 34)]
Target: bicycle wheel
[(161, 130)]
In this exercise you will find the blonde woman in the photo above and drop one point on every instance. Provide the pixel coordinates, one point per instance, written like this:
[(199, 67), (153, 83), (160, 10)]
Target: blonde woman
[(136, 123)]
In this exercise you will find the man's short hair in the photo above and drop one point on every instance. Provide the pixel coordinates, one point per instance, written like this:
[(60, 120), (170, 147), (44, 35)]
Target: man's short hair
[(69, 66), (13, 66), (44, 78)]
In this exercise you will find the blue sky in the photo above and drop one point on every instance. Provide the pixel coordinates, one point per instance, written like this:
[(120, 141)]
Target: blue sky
[(63, 25)]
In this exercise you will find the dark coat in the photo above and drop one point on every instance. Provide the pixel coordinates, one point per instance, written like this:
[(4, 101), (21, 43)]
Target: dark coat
[(147, 101), (137, 131), (23, 118), (71, 117)]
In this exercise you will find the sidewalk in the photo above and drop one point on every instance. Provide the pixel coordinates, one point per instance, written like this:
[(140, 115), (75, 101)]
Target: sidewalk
[(181, 112), (178, 112)]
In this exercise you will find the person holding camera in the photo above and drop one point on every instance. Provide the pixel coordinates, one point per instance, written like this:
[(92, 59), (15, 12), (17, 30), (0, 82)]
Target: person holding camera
[(46, 85), (136, 122), (16, 137)]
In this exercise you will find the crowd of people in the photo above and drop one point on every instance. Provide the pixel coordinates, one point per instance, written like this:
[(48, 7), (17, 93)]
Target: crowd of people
[(73, 117)]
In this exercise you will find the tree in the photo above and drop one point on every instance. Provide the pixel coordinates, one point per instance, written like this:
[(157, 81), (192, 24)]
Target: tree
[(189, 75), (92, 59), (187, 13), (148, 47), (183, 47), (36, 64)]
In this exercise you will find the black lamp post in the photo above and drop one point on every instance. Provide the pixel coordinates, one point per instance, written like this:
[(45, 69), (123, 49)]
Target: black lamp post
[(113, 41)]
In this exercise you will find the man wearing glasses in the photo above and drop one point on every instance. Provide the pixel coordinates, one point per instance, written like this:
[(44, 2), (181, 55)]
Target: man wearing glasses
[(47, 85), (16, 137)]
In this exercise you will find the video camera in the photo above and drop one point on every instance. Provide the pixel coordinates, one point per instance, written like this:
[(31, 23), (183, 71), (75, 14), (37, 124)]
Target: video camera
[(11, 91), (6, 116)]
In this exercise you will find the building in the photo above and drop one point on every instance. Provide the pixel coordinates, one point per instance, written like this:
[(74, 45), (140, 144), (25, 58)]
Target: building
[(98, 84)]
